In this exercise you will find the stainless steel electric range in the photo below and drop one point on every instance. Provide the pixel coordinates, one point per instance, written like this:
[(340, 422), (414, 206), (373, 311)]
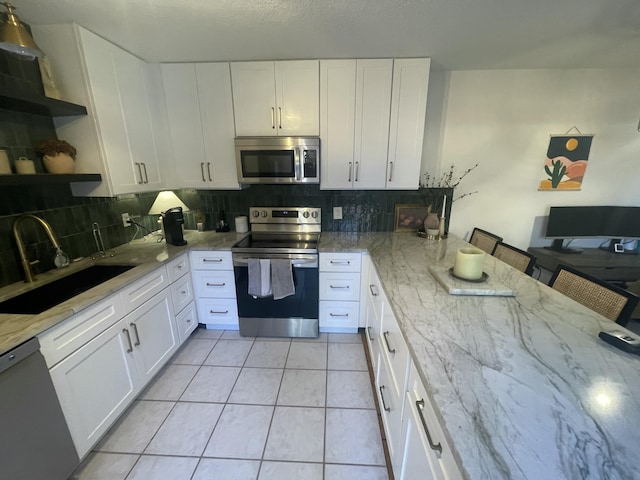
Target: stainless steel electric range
[(290, 233)]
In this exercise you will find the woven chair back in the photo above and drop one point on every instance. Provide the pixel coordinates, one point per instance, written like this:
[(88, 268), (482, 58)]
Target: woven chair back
[(484, 240), (515, 257)]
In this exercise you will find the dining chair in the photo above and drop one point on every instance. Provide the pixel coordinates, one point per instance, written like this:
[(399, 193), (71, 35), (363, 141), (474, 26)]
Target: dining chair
[(515, 257), (484, 240), (608, 300)]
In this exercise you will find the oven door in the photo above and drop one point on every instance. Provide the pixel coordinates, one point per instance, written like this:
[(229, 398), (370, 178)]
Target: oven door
[(292, 316)]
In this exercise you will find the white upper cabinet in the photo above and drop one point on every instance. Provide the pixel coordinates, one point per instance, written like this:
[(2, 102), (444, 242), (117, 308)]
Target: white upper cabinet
[(372, 122), (200, 111), (121, 137), (276, 98), (406, 131)]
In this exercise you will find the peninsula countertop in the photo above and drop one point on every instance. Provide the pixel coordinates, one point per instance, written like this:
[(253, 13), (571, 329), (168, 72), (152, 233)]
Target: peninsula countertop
[(523, 386)]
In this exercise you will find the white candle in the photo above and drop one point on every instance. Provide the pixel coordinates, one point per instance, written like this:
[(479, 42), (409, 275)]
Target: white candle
[(24, 165), (444, 206), (469, 263)]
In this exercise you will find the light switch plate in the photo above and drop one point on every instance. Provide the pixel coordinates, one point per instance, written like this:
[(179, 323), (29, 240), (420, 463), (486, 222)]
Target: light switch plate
[(337, 213)]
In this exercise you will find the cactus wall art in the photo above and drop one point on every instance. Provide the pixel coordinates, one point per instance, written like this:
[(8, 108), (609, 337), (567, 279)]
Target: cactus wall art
[(566, 162)]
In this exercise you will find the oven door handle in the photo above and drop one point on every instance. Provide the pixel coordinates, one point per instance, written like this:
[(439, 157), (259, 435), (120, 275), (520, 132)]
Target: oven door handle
[(308, 262)]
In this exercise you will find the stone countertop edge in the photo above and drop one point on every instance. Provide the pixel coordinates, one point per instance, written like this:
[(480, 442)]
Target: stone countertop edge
[(523, 386), (146, 253)]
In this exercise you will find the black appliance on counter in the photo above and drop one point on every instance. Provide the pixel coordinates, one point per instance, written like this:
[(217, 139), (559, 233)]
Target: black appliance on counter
[(172, 221)]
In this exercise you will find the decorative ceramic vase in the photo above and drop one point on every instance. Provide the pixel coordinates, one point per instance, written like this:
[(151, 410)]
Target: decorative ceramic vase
[(431, 221), (59, 163)]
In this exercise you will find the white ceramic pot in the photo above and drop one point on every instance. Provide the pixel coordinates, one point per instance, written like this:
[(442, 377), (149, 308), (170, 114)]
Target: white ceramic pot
[(59, 163)]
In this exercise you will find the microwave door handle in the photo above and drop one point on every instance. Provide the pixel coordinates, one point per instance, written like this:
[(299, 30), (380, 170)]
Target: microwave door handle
[(297, 167)]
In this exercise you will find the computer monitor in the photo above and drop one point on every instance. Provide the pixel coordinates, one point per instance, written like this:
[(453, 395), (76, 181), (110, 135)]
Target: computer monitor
[(592, 221)]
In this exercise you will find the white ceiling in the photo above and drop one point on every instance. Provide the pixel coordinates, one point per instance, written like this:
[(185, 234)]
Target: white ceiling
[(456, 34)]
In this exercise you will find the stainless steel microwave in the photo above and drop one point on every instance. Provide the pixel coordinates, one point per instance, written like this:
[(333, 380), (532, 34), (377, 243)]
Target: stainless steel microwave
[(278, 159)]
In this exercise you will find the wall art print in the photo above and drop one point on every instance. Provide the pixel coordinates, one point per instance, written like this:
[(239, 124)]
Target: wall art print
[(566, 162)]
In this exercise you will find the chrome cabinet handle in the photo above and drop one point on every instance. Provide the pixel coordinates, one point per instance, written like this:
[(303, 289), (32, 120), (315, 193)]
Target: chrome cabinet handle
[(438, 447), (126, 332), (340, 262), (371, 286), (390, 170), (384, 404), (350, 170), (216, 284), (357, 170), (339, 286), (386, 340), (146, 177), (137, 164), (369, 333), (215, 260), (202, 171), (279, 117), (273, 117), (221, 313), (209, 171), (135, 330), (338, 314)]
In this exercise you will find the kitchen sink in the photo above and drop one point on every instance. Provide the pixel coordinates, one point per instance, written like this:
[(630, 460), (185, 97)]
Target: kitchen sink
[(43, 298)]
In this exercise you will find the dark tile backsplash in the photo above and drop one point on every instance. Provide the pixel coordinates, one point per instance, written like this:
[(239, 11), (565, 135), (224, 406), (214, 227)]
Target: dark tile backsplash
[(72, 217)]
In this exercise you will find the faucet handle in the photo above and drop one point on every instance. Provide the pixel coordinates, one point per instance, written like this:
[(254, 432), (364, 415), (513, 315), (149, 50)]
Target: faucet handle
[(61, 259)]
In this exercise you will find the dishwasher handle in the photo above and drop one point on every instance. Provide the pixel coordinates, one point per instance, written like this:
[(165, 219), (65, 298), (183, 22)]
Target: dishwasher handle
[(19, 353)]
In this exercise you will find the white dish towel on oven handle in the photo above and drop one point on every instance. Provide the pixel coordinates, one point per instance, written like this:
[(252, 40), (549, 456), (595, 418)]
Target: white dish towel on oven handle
[(282, 278), (259, 277)]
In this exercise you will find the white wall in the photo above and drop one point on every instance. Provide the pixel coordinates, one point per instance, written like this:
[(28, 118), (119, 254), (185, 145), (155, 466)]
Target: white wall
[(503, 118)]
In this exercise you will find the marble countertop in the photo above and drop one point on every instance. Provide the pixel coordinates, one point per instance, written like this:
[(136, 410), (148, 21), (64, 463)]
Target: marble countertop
[(147, 254), (523, 386)]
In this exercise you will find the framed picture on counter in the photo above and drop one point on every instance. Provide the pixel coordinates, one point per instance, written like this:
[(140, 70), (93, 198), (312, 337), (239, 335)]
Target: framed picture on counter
[(409, 217)]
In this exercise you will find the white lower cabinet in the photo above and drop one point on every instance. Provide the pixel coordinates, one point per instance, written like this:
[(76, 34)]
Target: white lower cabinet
[(416, 443), (426, 454), (215, 289), (95, 384), (339, 291), (101, 358)]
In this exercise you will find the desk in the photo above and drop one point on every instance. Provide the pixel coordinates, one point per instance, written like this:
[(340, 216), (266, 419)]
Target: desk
[(613, 267)]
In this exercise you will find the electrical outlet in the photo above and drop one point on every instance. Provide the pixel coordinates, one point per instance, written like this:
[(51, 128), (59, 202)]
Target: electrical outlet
[(337, 213), (126, 219)]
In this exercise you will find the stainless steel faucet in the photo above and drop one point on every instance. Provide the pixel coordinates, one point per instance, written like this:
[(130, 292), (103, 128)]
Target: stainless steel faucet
[(61, 259)]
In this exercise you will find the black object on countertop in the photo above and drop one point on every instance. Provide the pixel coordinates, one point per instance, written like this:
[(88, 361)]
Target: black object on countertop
[(622, 340)]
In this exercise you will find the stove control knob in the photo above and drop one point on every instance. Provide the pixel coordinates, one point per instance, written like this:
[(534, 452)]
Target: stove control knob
[(305, 214), (264, 214), (314, 214), (256, 213)]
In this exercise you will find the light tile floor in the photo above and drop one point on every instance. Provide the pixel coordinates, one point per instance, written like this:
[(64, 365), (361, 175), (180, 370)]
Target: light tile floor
[(233, 408)]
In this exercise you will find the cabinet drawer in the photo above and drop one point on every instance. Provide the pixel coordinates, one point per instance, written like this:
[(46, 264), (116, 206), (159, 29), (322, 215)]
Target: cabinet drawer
[(177, 267), (394, 350), (339, 286), (66, 337), (340, 262), (138, 292), (391, 412), (214, 284), (211, 260), (339, 316), (187, 322), (218, 311), (182, 293)]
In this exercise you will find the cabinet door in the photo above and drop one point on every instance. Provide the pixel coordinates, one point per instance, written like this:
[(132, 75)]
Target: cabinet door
[(95, 384), (154, 334), (218, 313), (183, 109), (254, 98), (297, 98), (373, 103), (216, 111), (406, 131), (337, 122), (137, 118), (339, 316)]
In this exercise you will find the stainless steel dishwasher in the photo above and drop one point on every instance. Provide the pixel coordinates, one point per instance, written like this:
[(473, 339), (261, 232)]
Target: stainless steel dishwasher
[(35, 443)]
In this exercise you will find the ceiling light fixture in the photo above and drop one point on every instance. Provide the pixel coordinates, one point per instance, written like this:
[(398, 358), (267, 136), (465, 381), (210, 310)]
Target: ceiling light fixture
[(15, 38)]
